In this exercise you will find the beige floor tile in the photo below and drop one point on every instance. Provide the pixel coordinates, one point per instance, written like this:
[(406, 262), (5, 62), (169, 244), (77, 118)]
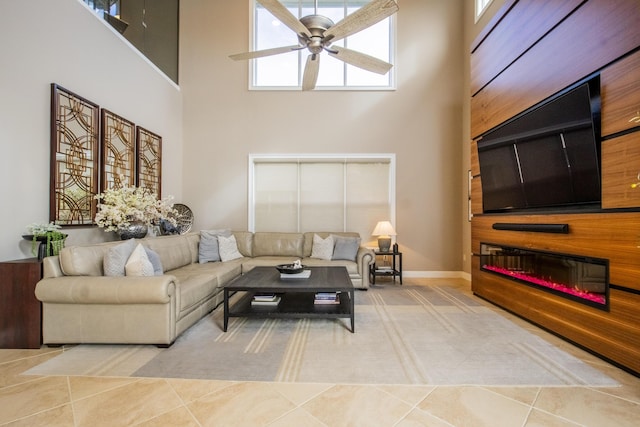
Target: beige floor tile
[(300, 393), (82, 387), (126, 405), (180, 417), (589, 407), (62, 416), (418, 418), (408, 393), (190, 390), (526, 395), (11, 371), (23, 400), (348, 405), (9, 355), (474, 406), (542, 419), (298, 418), (241, 404)]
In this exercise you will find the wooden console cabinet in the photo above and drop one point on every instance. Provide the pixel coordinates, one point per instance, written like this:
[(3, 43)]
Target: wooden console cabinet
[(20, 311), (529, 51)]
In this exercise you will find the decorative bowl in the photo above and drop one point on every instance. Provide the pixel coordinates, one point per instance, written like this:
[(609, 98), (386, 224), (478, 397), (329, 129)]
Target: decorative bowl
[(289, 268)]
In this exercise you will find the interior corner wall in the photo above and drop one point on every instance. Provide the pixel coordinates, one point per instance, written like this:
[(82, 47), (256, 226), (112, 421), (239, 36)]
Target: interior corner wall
[(421, 121), (63, 42)]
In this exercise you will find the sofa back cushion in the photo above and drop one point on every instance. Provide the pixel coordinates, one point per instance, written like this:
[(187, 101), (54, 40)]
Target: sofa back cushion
[(308, 239), (175, 251), (84, 260), (281, 244), (244, 240)]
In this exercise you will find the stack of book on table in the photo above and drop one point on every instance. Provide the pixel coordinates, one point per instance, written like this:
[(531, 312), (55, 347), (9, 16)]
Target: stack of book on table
[(327, 298), (304, 274), (265, 299)]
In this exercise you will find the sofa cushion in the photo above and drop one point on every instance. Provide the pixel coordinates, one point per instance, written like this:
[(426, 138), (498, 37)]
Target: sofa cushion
[(155, 260), (244, 240), (138, 263), (308, 238), (174, 251), (322, 248), (279, 244), (346, 248), (116, 257), (228, 248), (208, 250)]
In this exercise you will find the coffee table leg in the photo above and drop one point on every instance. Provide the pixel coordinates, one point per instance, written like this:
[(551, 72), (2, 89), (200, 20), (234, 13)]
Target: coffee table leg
[(353, 312), (226, 310)]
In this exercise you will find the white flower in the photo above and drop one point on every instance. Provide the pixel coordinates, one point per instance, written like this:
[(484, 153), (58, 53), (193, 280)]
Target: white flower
[(39, 228), (120, 207)]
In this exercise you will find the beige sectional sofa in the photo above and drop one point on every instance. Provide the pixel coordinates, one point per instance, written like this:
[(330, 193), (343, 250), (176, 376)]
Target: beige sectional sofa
[(82, 305)]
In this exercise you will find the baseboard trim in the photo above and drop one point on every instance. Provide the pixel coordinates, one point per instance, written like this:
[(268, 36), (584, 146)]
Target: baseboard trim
[(437, 275)]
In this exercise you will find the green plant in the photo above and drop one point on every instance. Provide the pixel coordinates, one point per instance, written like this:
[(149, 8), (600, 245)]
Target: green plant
[(49, 233)]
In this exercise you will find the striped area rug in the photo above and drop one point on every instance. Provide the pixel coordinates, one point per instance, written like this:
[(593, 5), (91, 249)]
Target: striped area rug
[(411, 334)]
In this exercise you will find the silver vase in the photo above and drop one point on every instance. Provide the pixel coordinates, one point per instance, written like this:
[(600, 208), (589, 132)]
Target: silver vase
[(135, 230)]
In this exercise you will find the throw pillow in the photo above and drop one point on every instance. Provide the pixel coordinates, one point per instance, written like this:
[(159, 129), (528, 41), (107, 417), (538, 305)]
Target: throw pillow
[(346, 248), (322, 248), (228, 248), (208, 249), (116, 257), (154, 258), (138, 263)]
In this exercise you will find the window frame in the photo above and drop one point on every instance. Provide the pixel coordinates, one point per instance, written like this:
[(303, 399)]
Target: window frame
[(389, 158), (481, 7), (252, 86)]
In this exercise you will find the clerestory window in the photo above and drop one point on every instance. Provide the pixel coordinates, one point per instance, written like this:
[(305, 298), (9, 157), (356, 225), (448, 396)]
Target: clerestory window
[(285, 71)]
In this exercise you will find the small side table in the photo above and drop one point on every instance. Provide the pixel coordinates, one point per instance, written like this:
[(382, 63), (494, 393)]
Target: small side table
[(394, 271), (20, 311)]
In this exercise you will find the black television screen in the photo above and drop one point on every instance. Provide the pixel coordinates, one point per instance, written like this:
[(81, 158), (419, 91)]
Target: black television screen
[(547, 157)]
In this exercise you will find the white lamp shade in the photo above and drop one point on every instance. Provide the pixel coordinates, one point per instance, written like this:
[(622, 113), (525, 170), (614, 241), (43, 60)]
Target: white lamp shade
[(384, 228)]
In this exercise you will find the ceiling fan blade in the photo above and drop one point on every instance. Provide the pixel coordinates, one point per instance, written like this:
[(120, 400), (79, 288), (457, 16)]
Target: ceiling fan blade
[(362, 18), (360, 60), (265, 52), (311, 72), (278, 10)]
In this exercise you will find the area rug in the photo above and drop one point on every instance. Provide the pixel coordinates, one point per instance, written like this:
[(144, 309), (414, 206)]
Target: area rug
[(411, 334)]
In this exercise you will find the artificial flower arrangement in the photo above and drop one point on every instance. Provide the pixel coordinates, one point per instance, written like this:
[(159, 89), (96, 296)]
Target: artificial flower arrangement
[(49, 233), (118, 208)]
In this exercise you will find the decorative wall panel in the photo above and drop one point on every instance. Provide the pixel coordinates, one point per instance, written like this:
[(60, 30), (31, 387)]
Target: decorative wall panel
[(74, 152), (118, 151), (149, 155)]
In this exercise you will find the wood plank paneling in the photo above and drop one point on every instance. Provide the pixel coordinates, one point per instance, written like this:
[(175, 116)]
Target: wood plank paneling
[(596, 34), (620, 92), (621, 169), (613, 236), (473, 157), (529, 21), (476, 195), (614, 334)]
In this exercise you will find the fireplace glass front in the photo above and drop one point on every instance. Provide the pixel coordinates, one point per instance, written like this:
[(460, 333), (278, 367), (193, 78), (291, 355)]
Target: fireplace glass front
[(582, 279)]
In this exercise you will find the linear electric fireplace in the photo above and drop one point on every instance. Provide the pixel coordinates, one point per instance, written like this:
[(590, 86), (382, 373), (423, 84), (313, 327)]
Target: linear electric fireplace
[(583, 279)]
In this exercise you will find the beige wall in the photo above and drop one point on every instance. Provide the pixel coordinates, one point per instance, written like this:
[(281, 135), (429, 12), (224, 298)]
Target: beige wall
[(60, 41), (420, 122)]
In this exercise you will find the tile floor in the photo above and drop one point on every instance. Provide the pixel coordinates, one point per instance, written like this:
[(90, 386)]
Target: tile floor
[(99, 401)]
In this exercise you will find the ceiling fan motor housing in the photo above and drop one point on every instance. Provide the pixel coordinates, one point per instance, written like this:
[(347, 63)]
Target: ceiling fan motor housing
[(317, 25)]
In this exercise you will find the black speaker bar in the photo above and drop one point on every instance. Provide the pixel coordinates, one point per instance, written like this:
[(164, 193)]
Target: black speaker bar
[(538, 228)]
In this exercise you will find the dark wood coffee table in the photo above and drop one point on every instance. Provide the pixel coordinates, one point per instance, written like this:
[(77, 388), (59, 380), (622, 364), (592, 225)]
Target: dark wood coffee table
[(296, 295)]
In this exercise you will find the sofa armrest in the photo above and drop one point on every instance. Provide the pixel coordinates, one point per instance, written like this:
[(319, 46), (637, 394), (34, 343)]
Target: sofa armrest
[(364, 258), (106, 290), (51, 267)]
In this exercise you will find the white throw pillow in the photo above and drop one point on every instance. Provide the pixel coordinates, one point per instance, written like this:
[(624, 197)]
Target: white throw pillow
[(228, 248), (322, 248), (138, 263), (116, 257)]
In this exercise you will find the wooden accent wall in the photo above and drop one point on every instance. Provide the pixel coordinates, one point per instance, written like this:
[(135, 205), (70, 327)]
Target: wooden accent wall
[(534, 50)]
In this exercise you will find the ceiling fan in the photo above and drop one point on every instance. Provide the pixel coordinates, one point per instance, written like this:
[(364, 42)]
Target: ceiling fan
[(316, 33)]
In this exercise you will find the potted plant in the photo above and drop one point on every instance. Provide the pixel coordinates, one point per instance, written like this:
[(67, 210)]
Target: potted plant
[(47, 234), (129, 210)]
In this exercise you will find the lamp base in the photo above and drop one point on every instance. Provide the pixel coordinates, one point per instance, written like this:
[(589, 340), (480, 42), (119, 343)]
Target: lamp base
[(384, 243)]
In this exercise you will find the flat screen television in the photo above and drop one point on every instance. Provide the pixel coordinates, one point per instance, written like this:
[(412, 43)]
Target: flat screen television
[(547, 157)]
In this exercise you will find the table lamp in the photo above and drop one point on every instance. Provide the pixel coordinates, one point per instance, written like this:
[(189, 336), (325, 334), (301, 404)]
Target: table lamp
[(384, 230)]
